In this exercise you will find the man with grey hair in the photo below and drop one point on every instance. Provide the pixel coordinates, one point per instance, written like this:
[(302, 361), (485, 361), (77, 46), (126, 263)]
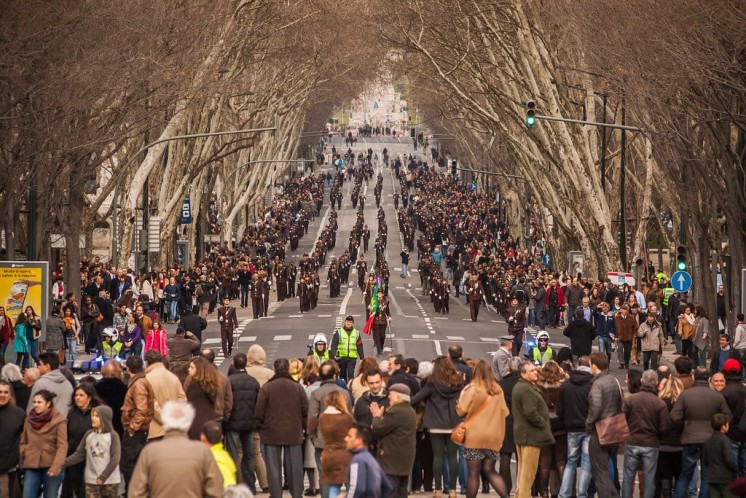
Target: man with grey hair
[(501, 358), (21, 392), (175, 465), (647, 417), (396, 428)]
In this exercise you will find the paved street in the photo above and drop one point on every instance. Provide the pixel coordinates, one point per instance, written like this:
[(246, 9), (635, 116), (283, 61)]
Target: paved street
[(416, 331)]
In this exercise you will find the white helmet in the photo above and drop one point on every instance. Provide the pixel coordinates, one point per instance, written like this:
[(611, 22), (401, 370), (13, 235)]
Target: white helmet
[(320, 338), (542, 335), (110, 332)]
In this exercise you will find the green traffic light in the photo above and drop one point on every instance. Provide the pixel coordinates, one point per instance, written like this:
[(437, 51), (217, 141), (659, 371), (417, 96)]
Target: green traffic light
[(681, 265), (530, 120)]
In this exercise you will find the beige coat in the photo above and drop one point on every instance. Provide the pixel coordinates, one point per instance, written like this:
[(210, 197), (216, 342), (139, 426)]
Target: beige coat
[(166, 387), (486, 430), (45, 447), (176, 466), (255, 366)]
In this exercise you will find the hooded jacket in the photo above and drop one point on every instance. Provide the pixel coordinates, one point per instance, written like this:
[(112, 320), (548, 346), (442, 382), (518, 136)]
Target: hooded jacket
[(100, 450), (440, 405), (57, 383), (572, 404), (255, 366)]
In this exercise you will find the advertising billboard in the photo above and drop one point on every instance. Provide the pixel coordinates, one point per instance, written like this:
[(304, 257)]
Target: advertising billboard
[(22, 284)]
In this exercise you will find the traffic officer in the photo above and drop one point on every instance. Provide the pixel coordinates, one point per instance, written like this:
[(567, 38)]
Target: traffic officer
[(475, 293), (542, 351), (381, 321), (228, 323), (319, 350), (346, 348)]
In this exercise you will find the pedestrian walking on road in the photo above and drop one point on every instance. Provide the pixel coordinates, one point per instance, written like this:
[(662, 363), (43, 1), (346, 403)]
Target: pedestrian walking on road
[(228, 324), (137, 413), (280, 417), (346, 348), (396, 429), (239, 427), (531, 427), (604, 400)]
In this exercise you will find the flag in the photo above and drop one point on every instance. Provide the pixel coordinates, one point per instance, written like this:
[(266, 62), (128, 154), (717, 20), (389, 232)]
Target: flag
[(373, 308)]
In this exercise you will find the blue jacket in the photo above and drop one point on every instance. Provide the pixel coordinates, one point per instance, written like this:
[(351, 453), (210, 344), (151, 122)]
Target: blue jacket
[(605, 325), (366, 478)]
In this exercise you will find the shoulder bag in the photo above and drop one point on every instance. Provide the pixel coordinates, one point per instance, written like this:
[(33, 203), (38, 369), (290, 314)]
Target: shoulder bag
[(458, 435), (613, 430)]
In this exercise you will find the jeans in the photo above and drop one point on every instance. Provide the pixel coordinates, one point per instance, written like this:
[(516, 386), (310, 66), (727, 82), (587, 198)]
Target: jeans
[(690, 456), (739, 455), (244, 296), (323, 488), (33, 480), (72, 349), (634, 456), (698, 356), (532, 316), (599, 457), (131, 448), (334, 490), (404, 270), (172, 310), (240, 446), (604, 345), (577, 453), (33, 348), (3, 348)]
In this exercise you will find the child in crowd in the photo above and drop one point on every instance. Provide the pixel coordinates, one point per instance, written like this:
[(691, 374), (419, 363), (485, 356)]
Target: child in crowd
[(100, 449), (717, 456), (212, 436)]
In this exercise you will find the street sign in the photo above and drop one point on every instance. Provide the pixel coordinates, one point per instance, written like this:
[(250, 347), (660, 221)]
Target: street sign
[(186, 212), (621, 278), (681, 281)]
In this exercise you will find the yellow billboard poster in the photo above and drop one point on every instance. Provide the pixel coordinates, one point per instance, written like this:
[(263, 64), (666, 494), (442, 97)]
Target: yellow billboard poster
[(23, 284)]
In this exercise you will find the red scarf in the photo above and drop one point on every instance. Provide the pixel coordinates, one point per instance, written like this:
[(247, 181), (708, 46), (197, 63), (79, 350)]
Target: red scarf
[(39, 420)]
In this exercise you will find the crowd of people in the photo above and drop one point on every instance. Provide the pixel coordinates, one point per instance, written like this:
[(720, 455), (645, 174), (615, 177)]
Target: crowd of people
[(163, 421)]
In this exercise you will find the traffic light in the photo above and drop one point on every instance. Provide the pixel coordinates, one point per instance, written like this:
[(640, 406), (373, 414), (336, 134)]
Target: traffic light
[(421, 138), (412, 132), (681, 258), (530, 113), (454, 168)]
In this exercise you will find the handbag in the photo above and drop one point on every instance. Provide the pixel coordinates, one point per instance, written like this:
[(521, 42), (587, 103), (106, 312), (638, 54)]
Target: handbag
[(613, 430), (458, 435)]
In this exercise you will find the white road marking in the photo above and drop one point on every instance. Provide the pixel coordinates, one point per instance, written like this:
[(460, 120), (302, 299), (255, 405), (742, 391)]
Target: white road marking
[(489, 339), (212, 340), (282, 338), (343, 307), (295, 316), (324, 316), (250, 338), (438, 349), (418, 336)]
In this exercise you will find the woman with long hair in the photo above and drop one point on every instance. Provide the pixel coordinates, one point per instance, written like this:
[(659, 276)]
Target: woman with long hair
[(358, 386), (43, 447), (201, 388), (85, 399), (21, 343), (156, 339), (551, 377), (669, 454), (440, 392), (334, 423), (310, 371), (482, 404), (33, 330)]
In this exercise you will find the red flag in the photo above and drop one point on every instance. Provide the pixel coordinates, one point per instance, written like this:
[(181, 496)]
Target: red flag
[(369, 324)]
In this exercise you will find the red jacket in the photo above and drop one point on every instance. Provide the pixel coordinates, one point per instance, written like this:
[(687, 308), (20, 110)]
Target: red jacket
[(6, 330), (560, 296)]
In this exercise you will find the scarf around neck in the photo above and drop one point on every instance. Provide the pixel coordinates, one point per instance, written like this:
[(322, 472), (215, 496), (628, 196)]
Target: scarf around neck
[(39, 420)]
